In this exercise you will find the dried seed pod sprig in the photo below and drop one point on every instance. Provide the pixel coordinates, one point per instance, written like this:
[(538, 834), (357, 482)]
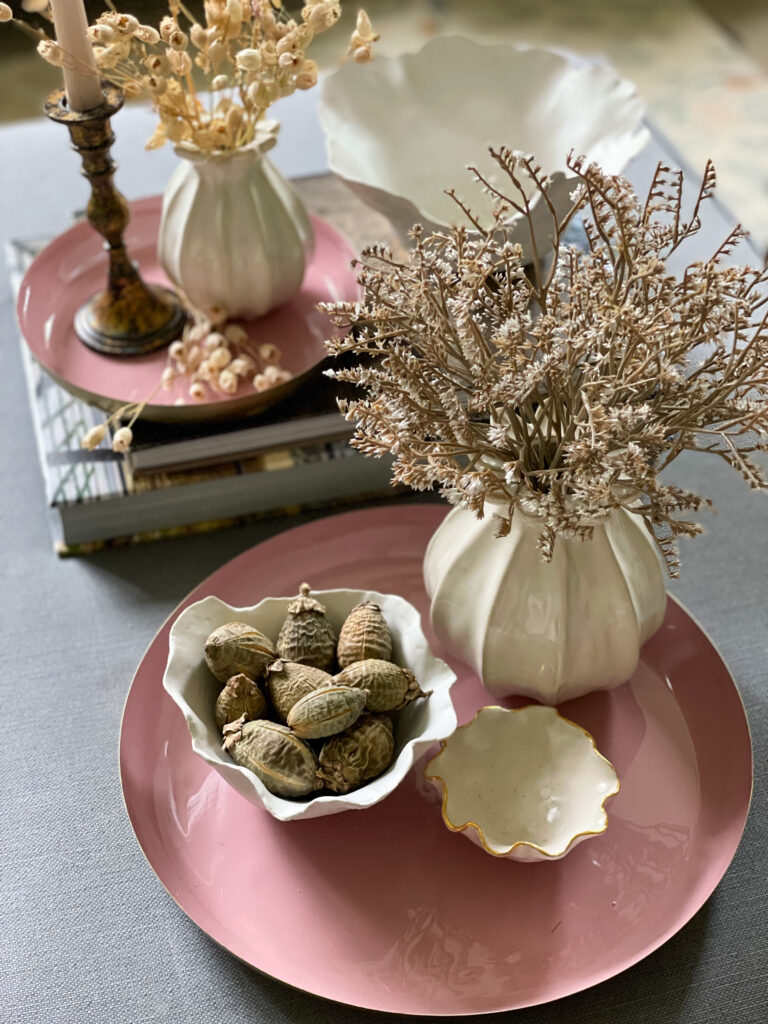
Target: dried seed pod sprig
[(210, 357), (563, 389), (249, 52)]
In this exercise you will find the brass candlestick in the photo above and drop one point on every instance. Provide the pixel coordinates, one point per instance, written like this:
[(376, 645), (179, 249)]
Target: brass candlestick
[(130, 317)]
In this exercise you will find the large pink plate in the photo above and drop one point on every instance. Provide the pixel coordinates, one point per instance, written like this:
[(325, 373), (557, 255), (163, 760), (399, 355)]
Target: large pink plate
[(386, 908), (73, 267)]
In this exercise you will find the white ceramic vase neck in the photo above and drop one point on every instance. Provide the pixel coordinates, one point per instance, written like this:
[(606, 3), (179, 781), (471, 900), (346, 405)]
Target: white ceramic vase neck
[(547, 630), (234, 235)]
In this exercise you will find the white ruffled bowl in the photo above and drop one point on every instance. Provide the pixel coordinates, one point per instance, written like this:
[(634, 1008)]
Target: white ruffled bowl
[(526, 784), (402, 129), (418, 726)]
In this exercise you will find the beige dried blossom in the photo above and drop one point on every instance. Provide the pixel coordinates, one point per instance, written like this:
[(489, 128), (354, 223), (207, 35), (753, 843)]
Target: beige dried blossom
[(307, 76), (52, 53), (94, 437), (235, 333), (563, 388), (147, 34), (125, 24), (102, 34), (270, 354), (228, 382), (362, 40), (213, 341), (6, 14), (122, 440), (248, 59), (220, 357), (320, 15)]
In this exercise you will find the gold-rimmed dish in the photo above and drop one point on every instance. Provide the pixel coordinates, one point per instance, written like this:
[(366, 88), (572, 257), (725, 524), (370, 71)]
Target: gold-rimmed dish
[(527, 784)]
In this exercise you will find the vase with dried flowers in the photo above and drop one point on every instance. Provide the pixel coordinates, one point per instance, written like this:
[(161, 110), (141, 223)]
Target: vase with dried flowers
[(234, 236), (545, 401)]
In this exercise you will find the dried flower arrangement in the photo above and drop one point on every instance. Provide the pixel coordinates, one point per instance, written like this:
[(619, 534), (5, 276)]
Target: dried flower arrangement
[(250, 52), (563, 389)]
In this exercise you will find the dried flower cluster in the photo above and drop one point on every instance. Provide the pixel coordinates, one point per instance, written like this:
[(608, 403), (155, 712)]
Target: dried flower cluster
[(209, 357), (219, 357), (563, 389), (250, 52)]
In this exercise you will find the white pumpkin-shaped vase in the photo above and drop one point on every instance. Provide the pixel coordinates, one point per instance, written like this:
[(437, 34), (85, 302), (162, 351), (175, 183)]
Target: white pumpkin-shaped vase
[(234, 235), (547, 630)]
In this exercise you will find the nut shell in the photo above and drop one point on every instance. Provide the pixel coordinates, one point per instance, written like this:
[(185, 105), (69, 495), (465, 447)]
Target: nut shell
[(241, 696), (306, 636), (388, 686), (326, 712), (237, 647), (365, 634), (357, 755), (288, 682), (283, 762)]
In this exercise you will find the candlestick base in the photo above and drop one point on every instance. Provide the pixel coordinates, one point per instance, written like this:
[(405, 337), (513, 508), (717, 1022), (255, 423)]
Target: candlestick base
[(138, 321), (130, 317)]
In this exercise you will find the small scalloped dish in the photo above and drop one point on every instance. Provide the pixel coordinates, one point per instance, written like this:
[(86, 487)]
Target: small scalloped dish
[(526, 784), (418, 726)]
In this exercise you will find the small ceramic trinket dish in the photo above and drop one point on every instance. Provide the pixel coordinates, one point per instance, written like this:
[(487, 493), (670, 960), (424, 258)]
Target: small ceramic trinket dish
[(525, 784), (455, 97), (418, 726)]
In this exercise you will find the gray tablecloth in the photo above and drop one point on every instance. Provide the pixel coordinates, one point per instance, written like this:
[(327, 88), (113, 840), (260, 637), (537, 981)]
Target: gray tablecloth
[(87, 933)]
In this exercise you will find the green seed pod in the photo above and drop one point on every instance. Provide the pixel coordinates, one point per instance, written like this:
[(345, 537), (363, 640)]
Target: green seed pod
[(357, 755), (283, 762), (237, 647), (241, 696), (288, 682), (306, 636), (326, 712), (365, 634), (388, 686)]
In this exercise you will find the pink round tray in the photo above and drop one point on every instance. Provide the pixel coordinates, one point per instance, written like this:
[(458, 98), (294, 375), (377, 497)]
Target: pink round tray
[(73, 267), (385, 908)]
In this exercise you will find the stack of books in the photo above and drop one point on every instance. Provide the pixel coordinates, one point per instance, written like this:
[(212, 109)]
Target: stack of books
[(192, 478)]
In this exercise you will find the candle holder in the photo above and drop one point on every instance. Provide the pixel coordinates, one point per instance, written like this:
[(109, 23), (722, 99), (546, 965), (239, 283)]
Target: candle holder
[(129, 317)]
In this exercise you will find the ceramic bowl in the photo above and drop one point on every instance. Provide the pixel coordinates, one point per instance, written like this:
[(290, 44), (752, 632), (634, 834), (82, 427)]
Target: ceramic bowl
[(402, 129), (418, 726), (526, 784)]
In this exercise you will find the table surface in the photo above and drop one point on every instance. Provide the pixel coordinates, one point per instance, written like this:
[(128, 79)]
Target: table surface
[(87, 932)]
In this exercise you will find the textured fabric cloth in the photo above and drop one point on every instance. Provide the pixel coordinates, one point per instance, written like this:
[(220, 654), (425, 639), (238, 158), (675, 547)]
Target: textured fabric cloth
[(87, 933)]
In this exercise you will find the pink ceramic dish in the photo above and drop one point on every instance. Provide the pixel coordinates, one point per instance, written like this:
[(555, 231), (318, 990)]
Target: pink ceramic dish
[(410, 918), (73, 267)]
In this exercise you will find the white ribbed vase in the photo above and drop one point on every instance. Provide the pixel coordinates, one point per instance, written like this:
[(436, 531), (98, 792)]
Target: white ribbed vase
[(547, 630), (234, 235)]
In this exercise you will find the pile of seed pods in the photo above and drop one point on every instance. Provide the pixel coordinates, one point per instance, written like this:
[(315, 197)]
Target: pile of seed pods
[(311, 711)]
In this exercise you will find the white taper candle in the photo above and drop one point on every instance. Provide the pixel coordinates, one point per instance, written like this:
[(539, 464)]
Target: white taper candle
[(81, 82)]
